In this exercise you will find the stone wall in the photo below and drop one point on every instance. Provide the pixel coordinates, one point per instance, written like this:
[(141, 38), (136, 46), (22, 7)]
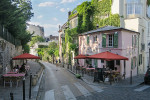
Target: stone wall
[(7, 52)]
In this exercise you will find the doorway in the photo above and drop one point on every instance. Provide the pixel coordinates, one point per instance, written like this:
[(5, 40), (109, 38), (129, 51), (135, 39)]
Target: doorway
[(110, 64)]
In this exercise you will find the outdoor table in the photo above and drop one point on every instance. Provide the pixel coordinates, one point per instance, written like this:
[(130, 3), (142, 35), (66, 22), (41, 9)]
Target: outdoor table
[(90, 69), (11, 72), (14, 75), (11, 78)]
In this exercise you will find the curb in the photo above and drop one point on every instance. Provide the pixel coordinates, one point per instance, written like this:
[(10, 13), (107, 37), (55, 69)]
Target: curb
[(35, 89)]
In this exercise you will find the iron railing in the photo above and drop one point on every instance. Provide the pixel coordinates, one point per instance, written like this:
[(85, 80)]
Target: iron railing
[(8, 36)]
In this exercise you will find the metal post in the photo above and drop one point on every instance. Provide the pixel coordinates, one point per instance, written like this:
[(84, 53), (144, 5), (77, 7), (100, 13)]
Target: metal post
[(30, 86), (131, 78), (110, 78), (149, 58), (124, 69), (11, 96), (23, 88), (82, 72)]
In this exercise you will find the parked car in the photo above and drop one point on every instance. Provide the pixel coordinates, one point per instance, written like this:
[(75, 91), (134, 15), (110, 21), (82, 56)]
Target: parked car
[(147, 76)]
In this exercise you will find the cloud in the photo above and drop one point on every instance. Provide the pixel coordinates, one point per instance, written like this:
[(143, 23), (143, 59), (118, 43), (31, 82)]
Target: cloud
[(55, 19), (39, 16), (45, 25), (62, 10), (45, 4), (67, 1)]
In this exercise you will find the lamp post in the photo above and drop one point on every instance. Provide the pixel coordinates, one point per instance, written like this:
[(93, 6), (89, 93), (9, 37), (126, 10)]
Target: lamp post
[(53, 57)]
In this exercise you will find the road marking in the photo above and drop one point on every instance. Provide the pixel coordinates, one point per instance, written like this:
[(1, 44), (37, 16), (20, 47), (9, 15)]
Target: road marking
[(95, 88), (49, 95), (83, 90), (67, 92), (142, 88)]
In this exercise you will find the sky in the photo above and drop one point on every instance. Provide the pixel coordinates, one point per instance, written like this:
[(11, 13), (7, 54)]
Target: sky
[(52, 13)]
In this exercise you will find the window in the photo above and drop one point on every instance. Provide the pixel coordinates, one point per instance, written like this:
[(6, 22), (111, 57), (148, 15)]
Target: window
[(102, 61), (133, 7), (134, 41), (95, 39), (133, 63), (117, 62), (110, 40), (140, 59)]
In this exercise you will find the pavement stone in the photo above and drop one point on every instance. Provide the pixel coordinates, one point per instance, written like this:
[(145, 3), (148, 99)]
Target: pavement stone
[(18, 91), (136, 80)]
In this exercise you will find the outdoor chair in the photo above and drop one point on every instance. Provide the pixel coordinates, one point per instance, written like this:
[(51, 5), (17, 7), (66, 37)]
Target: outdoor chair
[(15, 80), (7, 80)]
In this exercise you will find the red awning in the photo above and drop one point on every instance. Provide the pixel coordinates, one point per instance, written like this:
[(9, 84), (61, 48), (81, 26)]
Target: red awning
[(107, 56), (25, 56), (80, 57)]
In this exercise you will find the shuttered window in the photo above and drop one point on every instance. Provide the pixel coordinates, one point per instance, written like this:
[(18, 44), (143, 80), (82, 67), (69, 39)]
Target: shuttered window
[(103, 40), (116, 40)]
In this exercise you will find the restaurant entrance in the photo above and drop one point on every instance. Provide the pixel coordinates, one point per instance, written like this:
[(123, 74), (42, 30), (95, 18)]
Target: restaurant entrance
[(110, 64)]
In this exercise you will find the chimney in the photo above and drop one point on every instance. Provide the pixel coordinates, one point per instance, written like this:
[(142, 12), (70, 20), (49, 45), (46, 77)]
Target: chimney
[(97, 26), (69, 13)]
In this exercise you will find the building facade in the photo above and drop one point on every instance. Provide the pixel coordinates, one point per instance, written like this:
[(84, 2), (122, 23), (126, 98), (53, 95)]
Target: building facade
[(37, 30), (117, 40), (135, 15)]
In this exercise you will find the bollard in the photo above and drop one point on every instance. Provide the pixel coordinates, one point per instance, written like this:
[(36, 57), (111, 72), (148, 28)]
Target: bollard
[(110, 78), (82, 73), (11, 96), (131, 78), (23, 88), (30, 86)]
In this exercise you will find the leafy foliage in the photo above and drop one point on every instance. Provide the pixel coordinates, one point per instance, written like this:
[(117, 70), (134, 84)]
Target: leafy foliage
[(36, 39), (148, 2), (89, 15), (14, 17), (26, 48)]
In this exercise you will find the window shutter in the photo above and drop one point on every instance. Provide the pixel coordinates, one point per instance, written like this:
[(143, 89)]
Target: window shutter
[(132, 41), (95, 63), (87, 39), (103, 40), (131, 63), (116, 40)]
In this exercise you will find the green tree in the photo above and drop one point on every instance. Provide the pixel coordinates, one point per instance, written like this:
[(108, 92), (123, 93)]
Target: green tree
[(14, 17), (26, 48), (36, 39)]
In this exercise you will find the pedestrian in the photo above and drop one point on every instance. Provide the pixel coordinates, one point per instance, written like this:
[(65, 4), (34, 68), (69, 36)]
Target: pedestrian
[(56, 61)]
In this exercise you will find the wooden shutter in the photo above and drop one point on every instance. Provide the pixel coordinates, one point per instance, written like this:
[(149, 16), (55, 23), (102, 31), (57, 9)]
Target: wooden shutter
[(95, 63), (103, 40), (87, 39), (116, 40)]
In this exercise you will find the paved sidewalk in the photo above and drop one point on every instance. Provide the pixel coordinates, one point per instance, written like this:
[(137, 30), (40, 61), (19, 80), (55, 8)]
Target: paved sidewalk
[(136, 80), (18, 91)]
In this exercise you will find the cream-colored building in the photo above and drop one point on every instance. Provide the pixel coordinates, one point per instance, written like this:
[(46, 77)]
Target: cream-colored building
[(73, 22), (134, 16)]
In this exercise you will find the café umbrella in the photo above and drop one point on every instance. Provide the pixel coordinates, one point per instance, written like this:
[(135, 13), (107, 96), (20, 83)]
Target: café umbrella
[(25, 56)]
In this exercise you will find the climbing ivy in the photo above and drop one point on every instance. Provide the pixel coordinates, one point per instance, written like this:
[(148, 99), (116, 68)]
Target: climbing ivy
[(148, 2), (89, 15), (102, 14)]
